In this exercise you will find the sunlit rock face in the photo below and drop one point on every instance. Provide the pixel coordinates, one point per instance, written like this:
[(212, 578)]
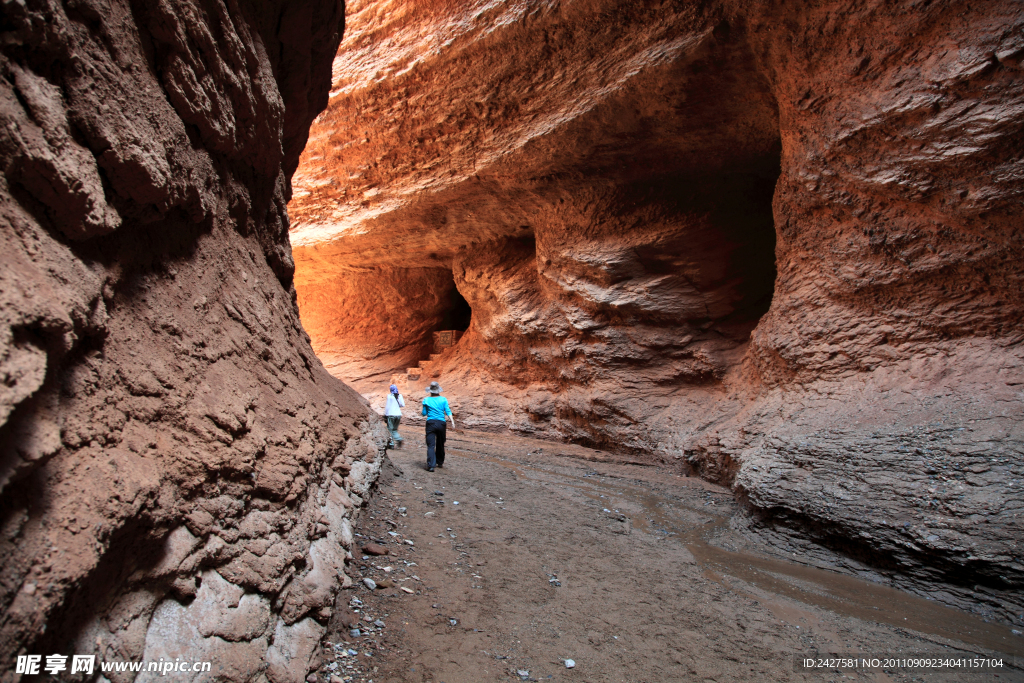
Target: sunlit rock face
[(177, 470), (609, 209), (781, 247)]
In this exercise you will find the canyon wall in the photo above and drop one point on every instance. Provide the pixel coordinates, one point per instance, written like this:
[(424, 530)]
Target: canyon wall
[(178, 471), (777, 246)]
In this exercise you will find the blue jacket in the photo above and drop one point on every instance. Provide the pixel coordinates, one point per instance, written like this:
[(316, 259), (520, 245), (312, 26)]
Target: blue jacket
[(435, 408)]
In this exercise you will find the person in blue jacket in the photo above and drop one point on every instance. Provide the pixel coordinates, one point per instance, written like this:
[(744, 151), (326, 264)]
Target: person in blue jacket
[(436, 408)]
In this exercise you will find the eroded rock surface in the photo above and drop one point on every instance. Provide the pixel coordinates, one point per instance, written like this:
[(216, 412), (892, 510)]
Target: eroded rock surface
[(779, 246), (178, 471)]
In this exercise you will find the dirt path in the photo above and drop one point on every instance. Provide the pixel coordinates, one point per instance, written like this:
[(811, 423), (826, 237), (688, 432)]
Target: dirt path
[(526, 553)]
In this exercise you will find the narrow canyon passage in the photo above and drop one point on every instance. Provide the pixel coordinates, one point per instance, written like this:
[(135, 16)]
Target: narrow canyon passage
[(520, 554), (777, 248), (728, 296)]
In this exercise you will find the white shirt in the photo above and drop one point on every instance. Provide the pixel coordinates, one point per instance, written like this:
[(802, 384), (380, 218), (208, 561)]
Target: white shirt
[(394, 407)]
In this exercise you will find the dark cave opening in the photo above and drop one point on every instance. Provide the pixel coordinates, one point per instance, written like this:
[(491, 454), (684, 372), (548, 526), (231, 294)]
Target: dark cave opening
[(748, 224), (717, 239), (457, 313)]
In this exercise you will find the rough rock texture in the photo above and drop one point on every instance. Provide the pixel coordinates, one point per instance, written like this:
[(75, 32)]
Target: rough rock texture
[(177, 470), (779, 245)]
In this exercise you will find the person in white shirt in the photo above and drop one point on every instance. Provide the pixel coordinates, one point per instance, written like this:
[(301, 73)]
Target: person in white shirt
[(393, 414)]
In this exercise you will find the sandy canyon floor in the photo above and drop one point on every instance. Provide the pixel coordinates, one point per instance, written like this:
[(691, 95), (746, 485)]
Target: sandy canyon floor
[(520, 554)]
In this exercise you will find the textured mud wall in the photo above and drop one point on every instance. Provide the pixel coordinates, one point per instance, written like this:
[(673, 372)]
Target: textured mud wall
[(177, 469), (780, 247)]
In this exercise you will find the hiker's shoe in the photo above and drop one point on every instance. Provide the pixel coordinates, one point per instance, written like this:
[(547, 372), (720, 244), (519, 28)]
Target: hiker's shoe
[(430, 469), (441, 465)]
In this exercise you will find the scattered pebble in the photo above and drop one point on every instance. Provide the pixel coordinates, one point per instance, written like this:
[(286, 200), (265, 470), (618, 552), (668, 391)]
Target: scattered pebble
[(407, 590), (370, 583), (570, 663), (408, 542), (355, 633), (374, 549)]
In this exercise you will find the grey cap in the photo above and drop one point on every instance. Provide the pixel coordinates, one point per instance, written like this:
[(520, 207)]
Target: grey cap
[(434, 388)]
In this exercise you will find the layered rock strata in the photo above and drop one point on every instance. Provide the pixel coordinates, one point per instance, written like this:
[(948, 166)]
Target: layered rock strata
[(778, 246), (178, 471)]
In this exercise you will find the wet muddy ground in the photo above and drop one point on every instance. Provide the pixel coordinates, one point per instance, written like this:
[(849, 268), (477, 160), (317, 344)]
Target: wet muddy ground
[(520, 554)]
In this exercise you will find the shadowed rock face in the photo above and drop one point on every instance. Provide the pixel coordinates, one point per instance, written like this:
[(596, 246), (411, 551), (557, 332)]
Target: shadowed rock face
[(780, 247), (177, 469)]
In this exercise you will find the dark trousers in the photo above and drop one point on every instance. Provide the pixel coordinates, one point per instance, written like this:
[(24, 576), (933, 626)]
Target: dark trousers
[(437, 432)]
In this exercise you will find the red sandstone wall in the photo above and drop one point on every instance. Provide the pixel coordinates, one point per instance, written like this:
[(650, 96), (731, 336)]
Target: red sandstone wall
[(169, 440), (897, 210)]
